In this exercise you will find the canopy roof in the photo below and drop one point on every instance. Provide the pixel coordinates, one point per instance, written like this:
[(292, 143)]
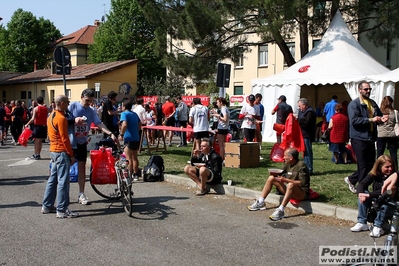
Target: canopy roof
[(392, 76), (338, 58)]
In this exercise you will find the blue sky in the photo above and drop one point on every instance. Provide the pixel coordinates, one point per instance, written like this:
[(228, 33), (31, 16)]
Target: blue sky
[(67, 16)]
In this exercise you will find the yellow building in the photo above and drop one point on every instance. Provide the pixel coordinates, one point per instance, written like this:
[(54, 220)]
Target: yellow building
[(110, 76)]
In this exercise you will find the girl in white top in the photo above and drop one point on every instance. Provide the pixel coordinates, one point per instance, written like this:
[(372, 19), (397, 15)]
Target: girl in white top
[(223, 124), (150, 121)]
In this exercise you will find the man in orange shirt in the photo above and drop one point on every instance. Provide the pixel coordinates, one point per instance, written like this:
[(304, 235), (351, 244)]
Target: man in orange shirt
[(168, 110), (62, 158)]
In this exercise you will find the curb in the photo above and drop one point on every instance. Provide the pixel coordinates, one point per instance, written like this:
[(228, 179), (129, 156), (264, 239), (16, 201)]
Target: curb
[(245, 193)]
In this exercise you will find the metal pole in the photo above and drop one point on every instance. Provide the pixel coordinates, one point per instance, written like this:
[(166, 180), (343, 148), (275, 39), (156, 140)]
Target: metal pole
[(63, 69)]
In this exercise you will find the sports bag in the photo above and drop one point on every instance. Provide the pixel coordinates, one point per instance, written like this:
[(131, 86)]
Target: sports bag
[(153, 171)]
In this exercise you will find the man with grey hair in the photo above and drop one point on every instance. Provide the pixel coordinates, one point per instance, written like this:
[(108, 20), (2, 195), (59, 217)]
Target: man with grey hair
[(62, 158), (307, 122), (293, 182)]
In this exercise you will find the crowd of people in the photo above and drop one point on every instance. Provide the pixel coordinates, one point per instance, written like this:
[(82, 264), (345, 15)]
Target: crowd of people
[(67, 126)]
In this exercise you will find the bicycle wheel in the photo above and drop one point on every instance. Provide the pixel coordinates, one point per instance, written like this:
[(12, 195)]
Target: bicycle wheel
[(127, 201), (108, 191)]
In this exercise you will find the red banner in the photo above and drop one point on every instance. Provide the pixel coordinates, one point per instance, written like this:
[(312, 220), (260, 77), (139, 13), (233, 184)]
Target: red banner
[(205, 100), (151, 99)]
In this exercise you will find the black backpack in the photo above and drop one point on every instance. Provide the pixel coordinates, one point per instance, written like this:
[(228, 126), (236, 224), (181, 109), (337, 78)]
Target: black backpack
[(153, 171)]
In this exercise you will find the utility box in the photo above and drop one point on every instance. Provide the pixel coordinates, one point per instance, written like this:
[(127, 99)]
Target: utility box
[(241, 154)]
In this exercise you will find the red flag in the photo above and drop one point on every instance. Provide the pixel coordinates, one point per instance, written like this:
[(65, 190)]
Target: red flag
[(292, 137)]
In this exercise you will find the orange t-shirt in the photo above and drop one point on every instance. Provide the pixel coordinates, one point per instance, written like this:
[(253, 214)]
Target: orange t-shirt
[(57, 129)]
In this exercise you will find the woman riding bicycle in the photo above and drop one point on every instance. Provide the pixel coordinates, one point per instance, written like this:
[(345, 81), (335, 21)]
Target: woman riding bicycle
[(382, 169)]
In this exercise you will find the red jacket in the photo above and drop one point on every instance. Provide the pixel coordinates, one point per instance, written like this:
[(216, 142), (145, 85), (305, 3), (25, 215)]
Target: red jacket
[(340, 130)]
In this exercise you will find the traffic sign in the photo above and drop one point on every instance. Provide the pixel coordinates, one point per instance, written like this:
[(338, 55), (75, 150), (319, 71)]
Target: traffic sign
[(62, 56), (97, 86)]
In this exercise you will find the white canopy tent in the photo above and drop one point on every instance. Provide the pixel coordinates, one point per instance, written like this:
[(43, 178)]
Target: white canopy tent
[(337, 59)]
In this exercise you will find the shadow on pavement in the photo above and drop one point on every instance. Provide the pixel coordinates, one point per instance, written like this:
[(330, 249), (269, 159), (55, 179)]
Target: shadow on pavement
[(22, 181)]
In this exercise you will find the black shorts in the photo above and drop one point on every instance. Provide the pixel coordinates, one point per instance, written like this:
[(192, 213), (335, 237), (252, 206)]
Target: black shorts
[(133, 145), (223, 131), (212, 179), (39, 132), (170, 122), (249, 134), (80, 152), (202, 134)]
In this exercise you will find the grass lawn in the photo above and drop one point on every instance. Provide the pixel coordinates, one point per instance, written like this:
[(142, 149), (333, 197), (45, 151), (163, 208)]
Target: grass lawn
[(328, 178)]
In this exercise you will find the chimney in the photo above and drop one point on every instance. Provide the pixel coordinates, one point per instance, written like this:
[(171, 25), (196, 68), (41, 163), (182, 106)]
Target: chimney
[(97, 23), (35, 65)]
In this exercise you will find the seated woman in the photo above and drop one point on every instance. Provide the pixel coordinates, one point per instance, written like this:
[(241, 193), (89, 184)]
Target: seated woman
[(382, 169)]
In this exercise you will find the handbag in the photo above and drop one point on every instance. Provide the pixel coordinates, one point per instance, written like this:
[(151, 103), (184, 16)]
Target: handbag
[(24, 137), (326, 135), (396, 128), (103, 167)]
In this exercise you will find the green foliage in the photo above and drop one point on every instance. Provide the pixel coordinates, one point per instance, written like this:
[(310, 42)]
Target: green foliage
[(126, 34), (219, 29), (24, 41)]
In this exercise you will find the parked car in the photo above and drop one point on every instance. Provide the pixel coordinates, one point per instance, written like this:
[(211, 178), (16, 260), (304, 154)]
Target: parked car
[(235, 124)]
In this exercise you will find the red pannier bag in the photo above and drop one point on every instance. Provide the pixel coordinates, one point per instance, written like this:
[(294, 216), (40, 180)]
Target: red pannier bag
[(24, 137), (277, 153), (103, 167)]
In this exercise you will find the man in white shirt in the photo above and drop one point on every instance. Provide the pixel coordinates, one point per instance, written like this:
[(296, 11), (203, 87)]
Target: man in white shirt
[(250, 114)]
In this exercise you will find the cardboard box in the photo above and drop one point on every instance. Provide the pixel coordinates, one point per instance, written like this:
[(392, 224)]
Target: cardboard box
[(241, 154)]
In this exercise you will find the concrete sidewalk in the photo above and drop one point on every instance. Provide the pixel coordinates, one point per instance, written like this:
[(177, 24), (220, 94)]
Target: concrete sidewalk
[(307, 206)]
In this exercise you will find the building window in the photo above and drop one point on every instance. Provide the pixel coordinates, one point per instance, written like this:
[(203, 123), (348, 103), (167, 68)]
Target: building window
[(43, 94), (238, 90), (4, 95), (291, 48), (315, 43), (23, 94), (263, 55), (68, 93), (29, 95), (52, 95), (240, 61)]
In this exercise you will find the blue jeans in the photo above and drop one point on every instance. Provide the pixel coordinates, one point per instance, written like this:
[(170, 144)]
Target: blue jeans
[(58, 182), (365, 206), (308, 155)]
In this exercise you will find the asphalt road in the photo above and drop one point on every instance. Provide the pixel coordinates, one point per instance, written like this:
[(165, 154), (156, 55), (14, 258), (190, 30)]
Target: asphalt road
[(170, 226)]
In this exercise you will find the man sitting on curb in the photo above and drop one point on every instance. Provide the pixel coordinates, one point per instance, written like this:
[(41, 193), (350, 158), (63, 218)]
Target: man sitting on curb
[(293, 182), (206, 167)]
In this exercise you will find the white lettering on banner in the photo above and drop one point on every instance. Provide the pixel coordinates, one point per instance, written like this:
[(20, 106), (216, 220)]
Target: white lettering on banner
[(151, 99), (357, 254), (237, 100), (189, 99)]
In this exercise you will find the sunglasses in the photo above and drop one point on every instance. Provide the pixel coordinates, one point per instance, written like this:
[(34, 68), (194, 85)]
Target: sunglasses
[(367, 89)]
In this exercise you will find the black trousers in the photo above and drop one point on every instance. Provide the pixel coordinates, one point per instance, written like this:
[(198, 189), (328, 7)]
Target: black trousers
[(365, 156), (183, 135)]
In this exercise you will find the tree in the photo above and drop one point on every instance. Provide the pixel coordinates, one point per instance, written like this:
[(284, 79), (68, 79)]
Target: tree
[(126, 34), (219, 29), (24, 41)]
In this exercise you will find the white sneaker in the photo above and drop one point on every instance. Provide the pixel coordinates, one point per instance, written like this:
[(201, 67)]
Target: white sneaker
[(277, 215), (376, 232), (83, 199), (360, 227), (350, 185)]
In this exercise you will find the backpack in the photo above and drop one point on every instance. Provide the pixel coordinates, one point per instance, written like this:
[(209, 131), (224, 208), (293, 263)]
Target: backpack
[(153, 171)]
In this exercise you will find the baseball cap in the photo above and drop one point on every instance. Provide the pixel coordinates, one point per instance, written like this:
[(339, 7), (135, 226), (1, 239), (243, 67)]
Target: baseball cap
[(282, 97), (251, 98), (167, 97)]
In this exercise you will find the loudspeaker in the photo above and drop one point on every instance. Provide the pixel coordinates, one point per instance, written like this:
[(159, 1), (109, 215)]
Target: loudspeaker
[(223, 75)]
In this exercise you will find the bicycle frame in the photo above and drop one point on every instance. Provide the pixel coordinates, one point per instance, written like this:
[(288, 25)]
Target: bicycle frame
[(124, 184)]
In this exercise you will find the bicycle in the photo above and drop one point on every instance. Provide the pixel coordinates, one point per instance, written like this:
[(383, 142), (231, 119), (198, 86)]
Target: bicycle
[(124, 184), (123, 187), (392, 238)]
